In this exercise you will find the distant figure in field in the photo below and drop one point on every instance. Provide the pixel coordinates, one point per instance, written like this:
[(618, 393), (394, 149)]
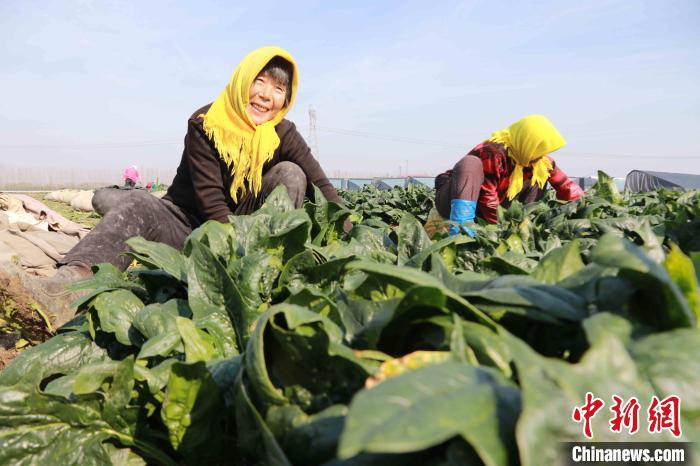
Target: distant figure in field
[(514, 163), (237, 150), (131, 176)]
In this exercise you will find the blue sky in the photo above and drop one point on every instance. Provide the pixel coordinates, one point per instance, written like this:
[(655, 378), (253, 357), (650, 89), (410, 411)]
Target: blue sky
[(396, 85)]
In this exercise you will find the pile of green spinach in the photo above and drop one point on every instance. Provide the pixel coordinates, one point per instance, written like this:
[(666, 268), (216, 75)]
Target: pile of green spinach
[(390, 205), (278, 340)]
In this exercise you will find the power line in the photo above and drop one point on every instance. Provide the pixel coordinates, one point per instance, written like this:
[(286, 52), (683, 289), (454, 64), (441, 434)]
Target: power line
[(386, 137), (340, 131), (630, 156)]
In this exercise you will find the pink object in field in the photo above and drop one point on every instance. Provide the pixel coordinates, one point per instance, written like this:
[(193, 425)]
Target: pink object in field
[(132, 173)]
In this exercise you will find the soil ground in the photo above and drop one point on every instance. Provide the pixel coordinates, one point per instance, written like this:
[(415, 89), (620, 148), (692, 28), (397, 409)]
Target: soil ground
[(21, 325), (6, 356)]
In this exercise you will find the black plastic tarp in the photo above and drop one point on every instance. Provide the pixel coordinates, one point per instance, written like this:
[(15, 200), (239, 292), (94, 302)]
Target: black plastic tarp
[(642, 181), (355, 184), (389, 183), (421, 180)]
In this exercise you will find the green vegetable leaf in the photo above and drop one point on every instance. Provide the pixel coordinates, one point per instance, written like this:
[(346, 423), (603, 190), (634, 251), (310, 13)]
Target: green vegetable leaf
[(158, 256), (559, 264), (553, 388), (116, 310), (428, 406), (211, 291), (670, 361), (192, 401), (681, 270), (198, 344), (658, 297), (412, 238), (62, 354)]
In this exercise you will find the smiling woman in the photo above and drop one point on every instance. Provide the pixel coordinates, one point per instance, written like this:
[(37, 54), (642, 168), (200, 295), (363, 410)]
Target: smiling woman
[(270, 91), (238, 149)]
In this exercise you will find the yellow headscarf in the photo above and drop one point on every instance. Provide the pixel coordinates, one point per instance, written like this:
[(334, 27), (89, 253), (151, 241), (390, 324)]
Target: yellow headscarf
[(243, 145), (526, 140)]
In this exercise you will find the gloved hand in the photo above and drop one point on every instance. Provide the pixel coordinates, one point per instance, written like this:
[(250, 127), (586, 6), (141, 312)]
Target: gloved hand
[(462, 211)]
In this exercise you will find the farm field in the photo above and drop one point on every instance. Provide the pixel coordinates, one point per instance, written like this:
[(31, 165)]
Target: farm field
[(279, 340), (89, 219)]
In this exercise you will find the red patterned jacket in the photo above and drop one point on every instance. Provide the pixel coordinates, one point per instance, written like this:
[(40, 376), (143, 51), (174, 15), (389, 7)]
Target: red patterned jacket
[(497, 170)]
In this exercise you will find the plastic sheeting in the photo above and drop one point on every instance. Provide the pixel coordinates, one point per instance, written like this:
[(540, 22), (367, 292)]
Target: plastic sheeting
[(34, 236), (421, 180), (355, 184), (643, 181)]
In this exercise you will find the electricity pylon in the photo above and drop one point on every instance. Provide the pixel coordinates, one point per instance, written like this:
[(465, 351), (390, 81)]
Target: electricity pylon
[(313, 135)]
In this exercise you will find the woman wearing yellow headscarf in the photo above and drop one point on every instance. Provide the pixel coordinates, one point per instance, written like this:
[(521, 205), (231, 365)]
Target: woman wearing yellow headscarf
[(513, 163), (237, 150), (240, 147)]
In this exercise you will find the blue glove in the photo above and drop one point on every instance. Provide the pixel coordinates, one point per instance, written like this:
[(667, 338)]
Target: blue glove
[(461, 212)]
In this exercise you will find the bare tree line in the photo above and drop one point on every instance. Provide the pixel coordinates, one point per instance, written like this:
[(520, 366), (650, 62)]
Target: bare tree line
[(50, 178), (14, 178)]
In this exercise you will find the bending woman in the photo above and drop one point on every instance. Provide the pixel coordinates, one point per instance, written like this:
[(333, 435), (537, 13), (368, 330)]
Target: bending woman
[(237, 150), (513, 163)]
